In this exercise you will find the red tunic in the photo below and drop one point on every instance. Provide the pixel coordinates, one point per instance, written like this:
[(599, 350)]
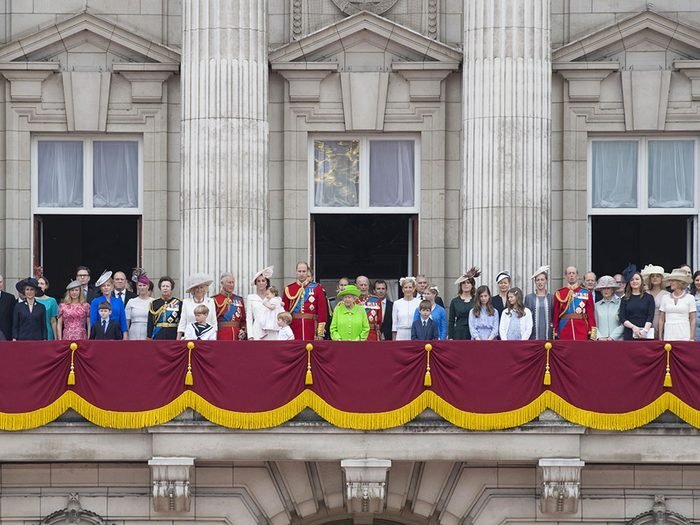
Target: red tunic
[(307, 303), (373, 308), (230, 315), (573, 315)]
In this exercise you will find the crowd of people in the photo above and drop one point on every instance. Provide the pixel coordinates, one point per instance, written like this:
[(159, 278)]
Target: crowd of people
[(631, 305)]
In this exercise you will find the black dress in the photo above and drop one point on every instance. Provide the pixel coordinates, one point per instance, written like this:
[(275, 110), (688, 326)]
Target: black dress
[(29, 325), (638, 310)]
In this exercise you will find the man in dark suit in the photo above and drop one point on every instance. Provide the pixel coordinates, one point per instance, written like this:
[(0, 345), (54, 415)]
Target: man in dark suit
[(7, 308), (82, 275), (387, 308), (120, 289), (104, 328), (423, 328)]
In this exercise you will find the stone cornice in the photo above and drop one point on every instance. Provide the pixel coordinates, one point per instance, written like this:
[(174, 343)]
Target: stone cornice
[(691, 69)]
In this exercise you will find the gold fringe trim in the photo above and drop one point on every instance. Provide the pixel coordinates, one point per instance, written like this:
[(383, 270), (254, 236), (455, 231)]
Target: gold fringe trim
[(494, 421), (610, 421), (352, 420)]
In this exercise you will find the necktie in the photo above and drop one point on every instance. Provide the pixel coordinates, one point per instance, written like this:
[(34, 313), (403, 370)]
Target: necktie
[(120, 295), (425, 323), (104, 325)]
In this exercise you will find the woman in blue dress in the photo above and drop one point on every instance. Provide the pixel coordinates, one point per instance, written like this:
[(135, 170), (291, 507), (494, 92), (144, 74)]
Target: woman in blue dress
[(483, 319), (437, 313), (118, 315)]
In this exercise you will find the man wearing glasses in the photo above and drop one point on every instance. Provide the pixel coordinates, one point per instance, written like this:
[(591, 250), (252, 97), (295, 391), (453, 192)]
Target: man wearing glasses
[(82, 275), (620, 281)]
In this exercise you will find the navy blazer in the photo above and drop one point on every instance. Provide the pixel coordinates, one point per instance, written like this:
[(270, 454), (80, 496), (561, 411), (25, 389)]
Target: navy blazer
[(387, 321), (29, 326), (424, 333), (113, 332)]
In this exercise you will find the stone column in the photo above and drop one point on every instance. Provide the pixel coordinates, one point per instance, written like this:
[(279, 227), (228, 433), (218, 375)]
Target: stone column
[(506, 124), (224, 83)]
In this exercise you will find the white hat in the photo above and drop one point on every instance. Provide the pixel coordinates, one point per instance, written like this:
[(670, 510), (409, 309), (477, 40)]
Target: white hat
[(678, 274), (73, 284), (606, 282), (106, 276), (503, 275), (542, 269), (265, 272), (198, 279), (408, 279), (652, 269)]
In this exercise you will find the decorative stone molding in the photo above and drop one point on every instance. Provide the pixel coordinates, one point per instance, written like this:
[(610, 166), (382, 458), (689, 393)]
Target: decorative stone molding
[(305, 78), (645, 97), (561, 482), (146, 79), (432, 18), (171, 483), (297, 21), (584, 78), (659, 515), (350, 7), (73, 514), (691, 69), (365, 484), (424, 78), (26, 78)]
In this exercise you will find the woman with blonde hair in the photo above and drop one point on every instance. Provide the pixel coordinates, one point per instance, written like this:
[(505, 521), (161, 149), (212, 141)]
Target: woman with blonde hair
[(677, 313), (404, 309), (653, 277), (73, 314)]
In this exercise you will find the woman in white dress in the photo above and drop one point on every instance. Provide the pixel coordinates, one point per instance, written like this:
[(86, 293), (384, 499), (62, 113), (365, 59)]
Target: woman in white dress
[(137, 309), (653, 277), (677, 311), (404, 309), (198, 288), (255, 310)]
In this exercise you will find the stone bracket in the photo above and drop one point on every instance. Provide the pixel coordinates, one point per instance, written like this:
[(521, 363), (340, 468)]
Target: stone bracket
[(146, 80), (561, 483), (305, 78), (26, 78), (171, 483), (365, 484), (645, 96), (584, 78), (424, 78), (691, 69)]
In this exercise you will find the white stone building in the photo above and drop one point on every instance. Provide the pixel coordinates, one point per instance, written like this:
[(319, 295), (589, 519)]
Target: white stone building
[(384, 137)]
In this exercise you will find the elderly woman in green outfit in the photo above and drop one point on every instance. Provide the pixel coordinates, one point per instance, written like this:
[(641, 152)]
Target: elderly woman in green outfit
[(349, 319)]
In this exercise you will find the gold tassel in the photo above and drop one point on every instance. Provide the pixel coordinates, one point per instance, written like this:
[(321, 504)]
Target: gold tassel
[(189, 380), (428, 380), (309, 379), (547, 375), (71, 375), (668, 383)]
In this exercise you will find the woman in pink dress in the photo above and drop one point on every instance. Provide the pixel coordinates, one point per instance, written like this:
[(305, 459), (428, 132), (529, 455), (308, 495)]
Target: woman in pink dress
[(73, 314)]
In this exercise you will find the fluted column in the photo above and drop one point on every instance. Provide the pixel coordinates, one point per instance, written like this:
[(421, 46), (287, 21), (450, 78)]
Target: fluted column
[(224, 138), (506, 124)]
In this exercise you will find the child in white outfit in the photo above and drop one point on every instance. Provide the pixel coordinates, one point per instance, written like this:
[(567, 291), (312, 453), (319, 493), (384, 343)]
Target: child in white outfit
[(273, 307), (200, 329), (285, 332)]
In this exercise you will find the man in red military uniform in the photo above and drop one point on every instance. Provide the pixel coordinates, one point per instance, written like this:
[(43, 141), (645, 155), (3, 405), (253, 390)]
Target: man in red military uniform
[(306, 301), (573, 315), (373, 308), (230, 311)]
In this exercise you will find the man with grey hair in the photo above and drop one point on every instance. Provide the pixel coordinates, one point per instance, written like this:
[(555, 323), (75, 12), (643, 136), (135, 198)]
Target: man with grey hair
[(372, 306), (7, 308), (120, 289), (230, 310), (422, 285), (573, 310)]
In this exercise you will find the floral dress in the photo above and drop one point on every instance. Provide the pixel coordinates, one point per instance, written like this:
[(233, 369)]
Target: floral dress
[(74, 317)]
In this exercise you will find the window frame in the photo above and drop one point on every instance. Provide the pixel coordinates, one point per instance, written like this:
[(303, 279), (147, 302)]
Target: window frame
[(88, 181), (643, 176), (364, 181)]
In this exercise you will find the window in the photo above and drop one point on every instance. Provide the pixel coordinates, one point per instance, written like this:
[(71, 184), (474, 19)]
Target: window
[(652, 174), (360, 174), (87, 174)]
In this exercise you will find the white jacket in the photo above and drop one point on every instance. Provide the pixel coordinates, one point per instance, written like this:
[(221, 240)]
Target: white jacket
[(525, 324)]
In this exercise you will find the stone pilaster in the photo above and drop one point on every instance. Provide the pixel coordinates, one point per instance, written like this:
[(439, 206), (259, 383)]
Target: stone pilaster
[(224, 138), (506, 124)]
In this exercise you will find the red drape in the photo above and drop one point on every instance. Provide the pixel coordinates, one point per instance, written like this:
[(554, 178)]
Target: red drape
[(127, 384)]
